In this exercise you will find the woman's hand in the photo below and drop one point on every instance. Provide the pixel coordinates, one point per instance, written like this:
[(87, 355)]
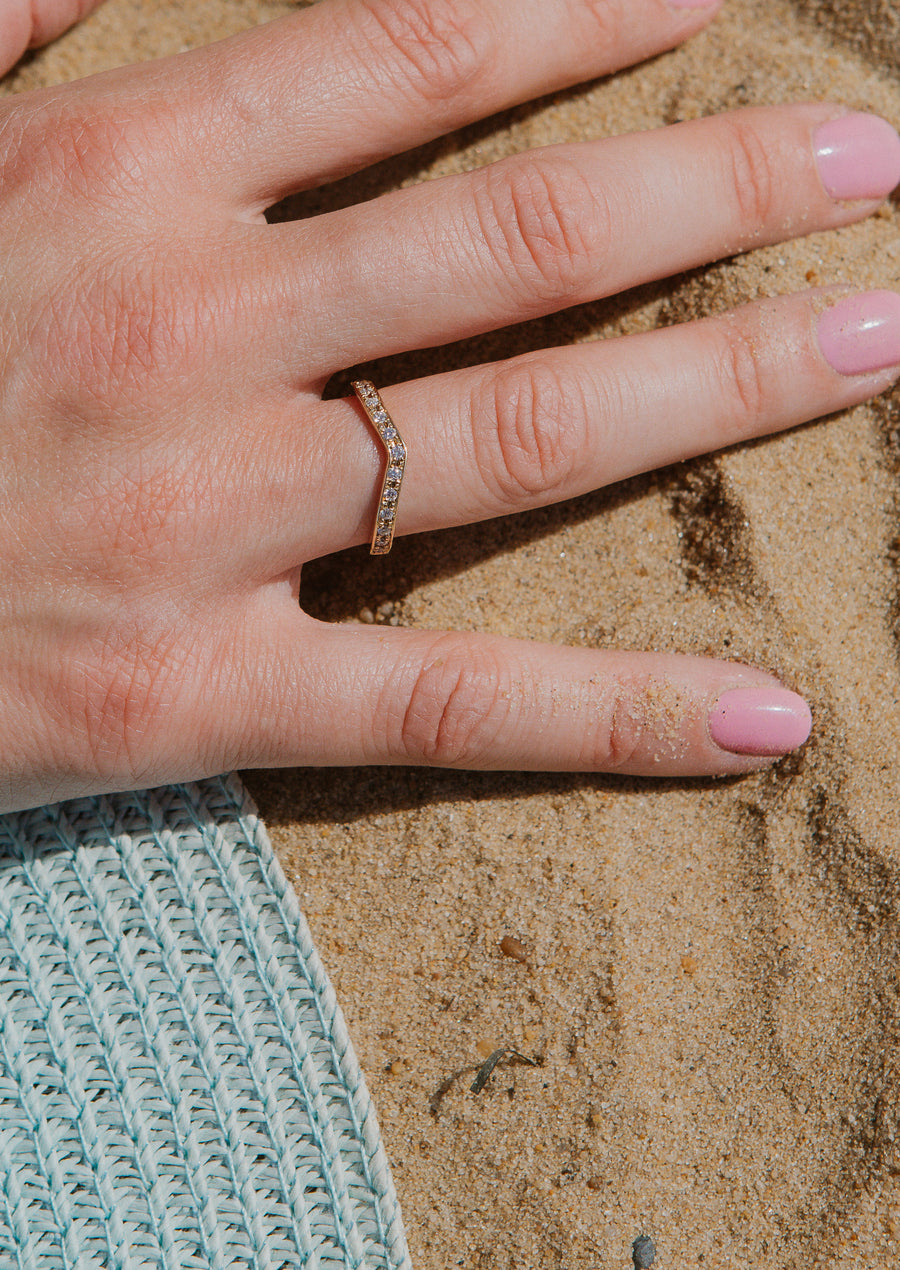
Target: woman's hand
[(168, 464)]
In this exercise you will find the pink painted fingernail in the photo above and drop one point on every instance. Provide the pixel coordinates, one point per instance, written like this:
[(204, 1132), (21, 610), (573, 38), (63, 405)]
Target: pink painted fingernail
[(858, 156), (861, 334), (763, 722)]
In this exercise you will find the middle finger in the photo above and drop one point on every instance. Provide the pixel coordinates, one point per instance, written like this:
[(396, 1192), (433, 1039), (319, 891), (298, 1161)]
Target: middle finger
[(565, 225)]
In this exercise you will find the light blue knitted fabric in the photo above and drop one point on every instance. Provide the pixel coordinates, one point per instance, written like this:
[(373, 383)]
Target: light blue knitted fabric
[(177, 1087)]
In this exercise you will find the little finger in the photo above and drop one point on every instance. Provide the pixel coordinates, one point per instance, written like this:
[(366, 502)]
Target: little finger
[(339, 695)]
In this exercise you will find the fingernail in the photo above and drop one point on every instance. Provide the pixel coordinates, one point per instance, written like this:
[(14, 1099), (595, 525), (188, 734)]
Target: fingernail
[(858, 156), (693, 4), (759, 721), (861, 334)]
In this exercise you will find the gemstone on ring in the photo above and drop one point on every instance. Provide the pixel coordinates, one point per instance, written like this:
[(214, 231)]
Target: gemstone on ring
[(386, 431)]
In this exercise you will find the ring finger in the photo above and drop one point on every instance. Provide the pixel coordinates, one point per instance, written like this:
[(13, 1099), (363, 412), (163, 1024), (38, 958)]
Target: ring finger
[(491, 440)]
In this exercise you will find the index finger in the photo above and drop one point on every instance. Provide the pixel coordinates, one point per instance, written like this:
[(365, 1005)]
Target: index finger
[(345, 83)]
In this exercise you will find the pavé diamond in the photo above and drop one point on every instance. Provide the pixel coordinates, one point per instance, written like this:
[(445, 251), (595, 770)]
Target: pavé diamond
[(380, 419)]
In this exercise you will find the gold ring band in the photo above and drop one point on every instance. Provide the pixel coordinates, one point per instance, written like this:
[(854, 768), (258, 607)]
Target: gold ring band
[(386, 431)]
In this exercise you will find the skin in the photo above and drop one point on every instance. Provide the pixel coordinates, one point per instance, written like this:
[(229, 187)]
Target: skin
[(168, 465)]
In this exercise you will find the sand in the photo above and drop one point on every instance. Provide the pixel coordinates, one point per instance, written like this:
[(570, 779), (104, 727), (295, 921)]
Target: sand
[(705, 974)]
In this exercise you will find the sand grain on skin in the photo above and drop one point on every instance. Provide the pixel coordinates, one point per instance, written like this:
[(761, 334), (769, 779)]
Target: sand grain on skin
[(711, 973)]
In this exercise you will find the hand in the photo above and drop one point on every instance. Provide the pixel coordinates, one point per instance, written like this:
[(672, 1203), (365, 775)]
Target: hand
[(169, 464)]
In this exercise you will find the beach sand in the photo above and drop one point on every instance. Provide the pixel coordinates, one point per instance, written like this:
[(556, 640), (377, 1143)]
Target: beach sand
[(705, 974)]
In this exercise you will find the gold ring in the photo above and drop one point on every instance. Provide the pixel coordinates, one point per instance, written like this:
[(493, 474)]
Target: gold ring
[(386, 431)]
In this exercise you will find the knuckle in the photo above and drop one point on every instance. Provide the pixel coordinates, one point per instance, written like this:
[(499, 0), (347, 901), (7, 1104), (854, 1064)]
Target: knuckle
[(543, 226), (625, 732), (751, 173), (458, 706), (741, 376), (439, 47), (529, 435), (91, 151), (621, 737)]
